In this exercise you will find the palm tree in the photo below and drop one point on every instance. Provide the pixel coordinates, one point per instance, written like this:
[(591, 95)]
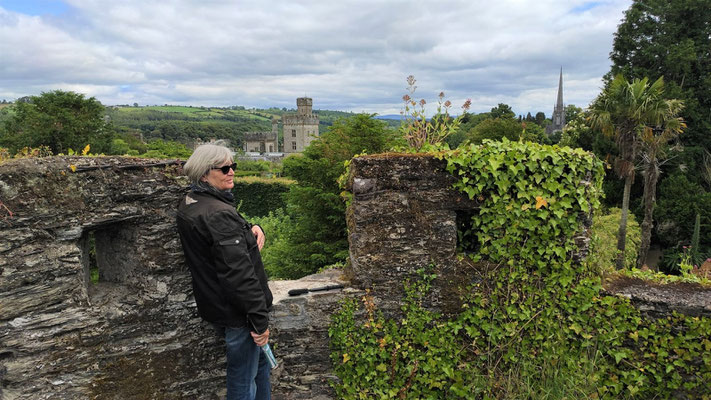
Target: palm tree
[(626, 110), (654, 145)]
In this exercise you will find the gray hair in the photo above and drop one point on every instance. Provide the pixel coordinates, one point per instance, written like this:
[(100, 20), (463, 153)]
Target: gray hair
[(205, 157)]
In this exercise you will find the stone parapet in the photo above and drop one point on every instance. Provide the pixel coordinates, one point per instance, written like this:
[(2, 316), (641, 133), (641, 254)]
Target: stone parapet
[(134, 334), (403, 218)]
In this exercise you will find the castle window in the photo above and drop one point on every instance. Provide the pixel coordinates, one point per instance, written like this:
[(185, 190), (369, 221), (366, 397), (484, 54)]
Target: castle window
[(293, 145), (293, 133), (108, 258)]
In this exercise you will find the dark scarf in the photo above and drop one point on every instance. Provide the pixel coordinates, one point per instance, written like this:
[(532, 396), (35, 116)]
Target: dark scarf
[(204, 187)]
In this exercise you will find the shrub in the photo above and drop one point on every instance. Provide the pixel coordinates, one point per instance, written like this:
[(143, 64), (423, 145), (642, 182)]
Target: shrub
[(603, 241), (260, 196), (277, 226)]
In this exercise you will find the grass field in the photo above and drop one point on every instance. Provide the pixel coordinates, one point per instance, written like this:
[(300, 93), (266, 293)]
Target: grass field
[(327, 117), (200, 112)]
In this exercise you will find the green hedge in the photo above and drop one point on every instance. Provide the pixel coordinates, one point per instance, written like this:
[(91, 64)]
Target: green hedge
[(256, 196)]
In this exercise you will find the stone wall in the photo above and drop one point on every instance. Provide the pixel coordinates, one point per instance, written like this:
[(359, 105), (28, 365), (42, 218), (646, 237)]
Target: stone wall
[(135, 333), (403, 218)]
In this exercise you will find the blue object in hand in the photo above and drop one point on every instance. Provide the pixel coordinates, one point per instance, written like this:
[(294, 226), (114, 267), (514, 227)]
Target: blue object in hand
[(270, 356)]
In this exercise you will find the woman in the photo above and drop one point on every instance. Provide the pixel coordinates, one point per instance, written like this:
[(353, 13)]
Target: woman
[(229, 283)]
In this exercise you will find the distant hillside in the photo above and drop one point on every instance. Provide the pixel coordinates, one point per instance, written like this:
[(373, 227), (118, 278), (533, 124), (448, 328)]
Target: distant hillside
[(397, 117), (187, 124)]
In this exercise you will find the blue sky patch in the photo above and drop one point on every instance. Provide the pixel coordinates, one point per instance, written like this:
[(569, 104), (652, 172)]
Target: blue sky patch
[(35, 7), (585, 7)]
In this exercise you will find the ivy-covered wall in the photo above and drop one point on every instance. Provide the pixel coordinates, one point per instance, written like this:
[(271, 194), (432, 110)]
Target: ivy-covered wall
[(478, 286)]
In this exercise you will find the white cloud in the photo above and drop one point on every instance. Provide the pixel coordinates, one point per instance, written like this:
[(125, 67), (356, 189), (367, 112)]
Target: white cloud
[(348, 55)]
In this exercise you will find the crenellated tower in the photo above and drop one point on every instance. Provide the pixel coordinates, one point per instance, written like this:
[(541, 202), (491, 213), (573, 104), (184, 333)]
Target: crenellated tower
[(300, 128)]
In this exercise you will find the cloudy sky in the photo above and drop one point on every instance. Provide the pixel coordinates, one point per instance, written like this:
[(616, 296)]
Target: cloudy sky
[(347, 55)]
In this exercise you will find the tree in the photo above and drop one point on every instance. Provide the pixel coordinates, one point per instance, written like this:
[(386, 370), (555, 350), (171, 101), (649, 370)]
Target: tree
[(571, 112), (623, 111), (541, 118), (496, 129), (670, 39), (60, 120), (503, 111), (679, 202), (663, 126), (317, 237)]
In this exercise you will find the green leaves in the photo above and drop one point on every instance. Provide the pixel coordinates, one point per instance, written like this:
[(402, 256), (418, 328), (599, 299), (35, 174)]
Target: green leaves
[(60, 120), (526, 190)]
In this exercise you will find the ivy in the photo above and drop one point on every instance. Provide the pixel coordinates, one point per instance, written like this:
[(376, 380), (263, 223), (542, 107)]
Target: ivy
[(531, 197), (538, 324)]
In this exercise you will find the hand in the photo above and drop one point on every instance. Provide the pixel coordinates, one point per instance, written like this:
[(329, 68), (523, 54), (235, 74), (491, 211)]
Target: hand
[(262, 339), (257, 231)]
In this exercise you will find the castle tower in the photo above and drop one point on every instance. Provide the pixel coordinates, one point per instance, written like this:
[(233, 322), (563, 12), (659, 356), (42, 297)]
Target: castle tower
[(300, 128), (558, 117)]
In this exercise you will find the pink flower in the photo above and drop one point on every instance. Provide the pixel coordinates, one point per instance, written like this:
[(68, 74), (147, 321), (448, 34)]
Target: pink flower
[(467, 104), (447, 104), (422, 102), (406, 97), (441, 95)]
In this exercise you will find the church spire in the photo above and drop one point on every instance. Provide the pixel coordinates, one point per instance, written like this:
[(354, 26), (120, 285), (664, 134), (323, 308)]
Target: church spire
[(558, 117), (559, 103)]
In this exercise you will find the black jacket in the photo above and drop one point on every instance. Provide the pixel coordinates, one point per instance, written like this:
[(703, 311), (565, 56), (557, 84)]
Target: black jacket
[(229, 282)]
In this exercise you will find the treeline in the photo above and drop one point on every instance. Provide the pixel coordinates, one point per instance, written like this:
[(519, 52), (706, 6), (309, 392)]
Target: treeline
[(131, 129), (502, 122), (186, 127), (189, 124)]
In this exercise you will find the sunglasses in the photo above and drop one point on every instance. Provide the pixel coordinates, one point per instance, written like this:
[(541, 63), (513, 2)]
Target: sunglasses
[(226, 169)]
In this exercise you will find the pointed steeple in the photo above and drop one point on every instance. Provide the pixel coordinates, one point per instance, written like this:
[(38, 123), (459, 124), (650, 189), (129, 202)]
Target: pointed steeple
[(558, 117), (559, 103)]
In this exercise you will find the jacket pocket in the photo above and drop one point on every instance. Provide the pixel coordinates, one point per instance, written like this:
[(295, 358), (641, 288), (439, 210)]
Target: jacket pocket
[(233, 248), (233, 241)]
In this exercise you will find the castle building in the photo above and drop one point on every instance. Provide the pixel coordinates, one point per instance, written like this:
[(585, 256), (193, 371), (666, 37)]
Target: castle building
[(262, 142), (300, 128), (558, 117)]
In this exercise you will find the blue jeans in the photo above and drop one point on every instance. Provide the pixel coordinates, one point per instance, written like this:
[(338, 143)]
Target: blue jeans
[(247, 367)]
